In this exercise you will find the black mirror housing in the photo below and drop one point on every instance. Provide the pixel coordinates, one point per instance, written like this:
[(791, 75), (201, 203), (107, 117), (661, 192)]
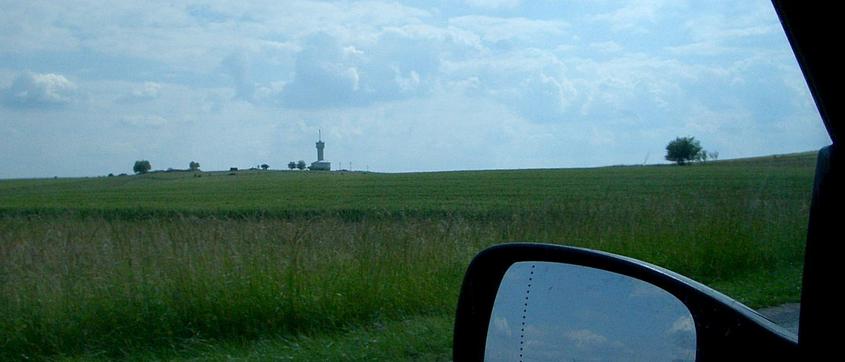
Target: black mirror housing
[(725, 328)]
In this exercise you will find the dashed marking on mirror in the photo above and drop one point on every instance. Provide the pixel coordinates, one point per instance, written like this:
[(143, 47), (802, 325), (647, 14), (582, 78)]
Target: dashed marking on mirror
[(525, 313)]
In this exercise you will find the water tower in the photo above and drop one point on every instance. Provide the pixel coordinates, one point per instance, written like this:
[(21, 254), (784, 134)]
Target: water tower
[(320, 145), (320, 164)]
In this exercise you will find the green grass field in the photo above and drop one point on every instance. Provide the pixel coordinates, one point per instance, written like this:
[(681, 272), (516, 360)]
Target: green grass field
[(356, 266)]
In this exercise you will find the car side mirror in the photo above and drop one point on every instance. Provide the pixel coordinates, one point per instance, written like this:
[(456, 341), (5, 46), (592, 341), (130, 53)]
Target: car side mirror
[(546, 311), (536, 302)]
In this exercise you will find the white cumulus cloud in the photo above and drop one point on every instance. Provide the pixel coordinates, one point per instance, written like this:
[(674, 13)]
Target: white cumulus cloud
[(35, 90), (584, 338)]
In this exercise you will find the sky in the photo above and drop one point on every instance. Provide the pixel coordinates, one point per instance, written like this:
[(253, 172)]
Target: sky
[(89, 87)]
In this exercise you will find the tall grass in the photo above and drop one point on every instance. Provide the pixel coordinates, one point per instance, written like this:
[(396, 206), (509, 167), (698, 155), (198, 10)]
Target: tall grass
[(85, 285), (72, 286)]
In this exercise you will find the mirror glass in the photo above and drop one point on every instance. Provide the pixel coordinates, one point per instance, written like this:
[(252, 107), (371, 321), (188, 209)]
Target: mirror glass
[(560, 312)]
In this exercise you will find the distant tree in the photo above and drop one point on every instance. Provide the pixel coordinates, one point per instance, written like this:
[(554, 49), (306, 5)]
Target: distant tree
[(142, 166), (683, 150), (300, 164), (194, 166), (265, 166), (292, 165), (714, 155)]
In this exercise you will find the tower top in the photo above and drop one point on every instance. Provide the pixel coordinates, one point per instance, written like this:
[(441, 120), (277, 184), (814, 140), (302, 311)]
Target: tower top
[(320, 146)]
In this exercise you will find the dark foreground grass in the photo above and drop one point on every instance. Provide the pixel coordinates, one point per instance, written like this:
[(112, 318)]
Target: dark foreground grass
[(79, 281), (418, 338)]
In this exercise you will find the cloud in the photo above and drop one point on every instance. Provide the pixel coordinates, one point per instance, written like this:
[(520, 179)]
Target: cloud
[(35, 90), (585, 339), (542, 98), (683, 324), (494, 4), (141, 93), (682, 335), (325, 76), (27, 27), (502, 327), (532, 82), (607, 47), (331, 74), (144, 121), (205, 13), (499, 29), (636, 16), (237, 67)]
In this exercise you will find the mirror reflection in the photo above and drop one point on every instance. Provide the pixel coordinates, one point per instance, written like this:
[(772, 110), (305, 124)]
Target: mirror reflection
[(560, 312)]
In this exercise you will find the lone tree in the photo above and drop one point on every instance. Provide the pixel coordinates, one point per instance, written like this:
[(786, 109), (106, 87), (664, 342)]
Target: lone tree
[(300, 165), (194, 166), (265, 166), (292, 165), (142, 166), (683, 150)]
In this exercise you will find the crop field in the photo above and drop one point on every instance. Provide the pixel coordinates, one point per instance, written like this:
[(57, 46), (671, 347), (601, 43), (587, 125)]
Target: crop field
[(354, 265)]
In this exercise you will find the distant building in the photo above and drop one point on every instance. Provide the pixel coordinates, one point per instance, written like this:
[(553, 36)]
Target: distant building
[(320, 164)]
